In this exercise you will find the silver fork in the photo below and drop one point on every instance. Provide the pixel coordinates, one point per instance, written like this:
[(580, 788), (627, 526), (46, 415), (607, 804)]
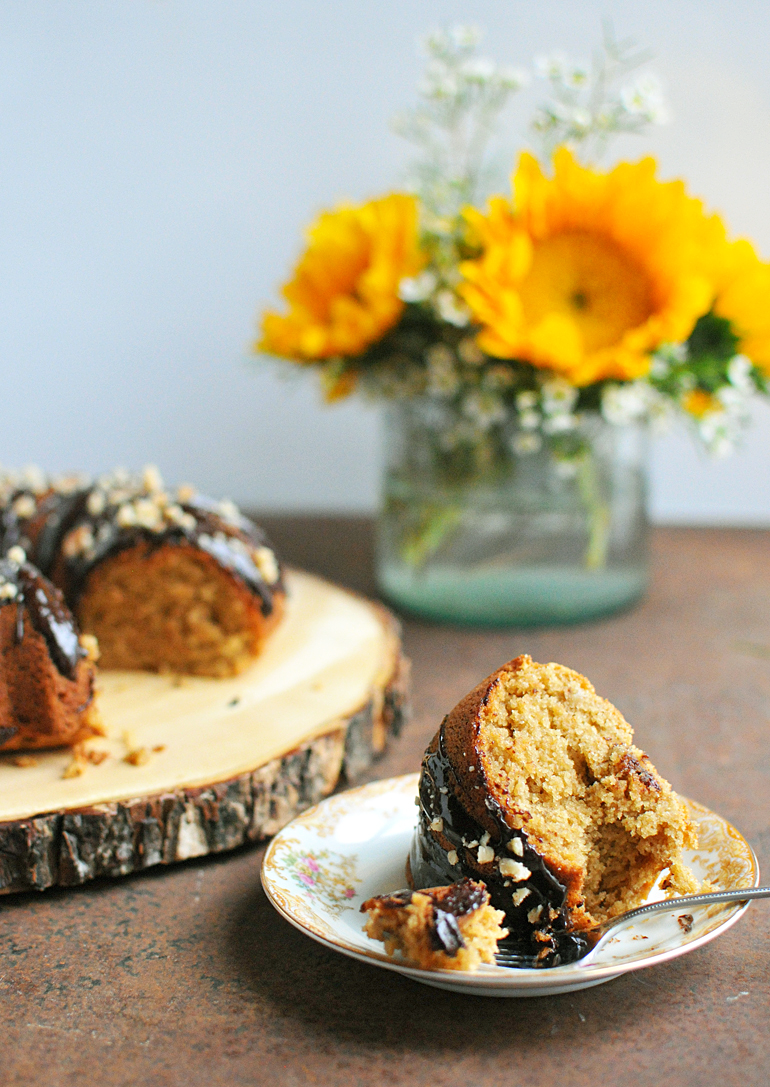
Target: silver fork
[(671, 905)]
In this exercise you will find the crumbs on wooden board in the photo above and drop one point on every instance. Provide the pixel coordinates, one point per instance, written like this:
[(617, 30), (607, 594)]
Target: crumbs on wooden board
[(139, 754), (83, 757)]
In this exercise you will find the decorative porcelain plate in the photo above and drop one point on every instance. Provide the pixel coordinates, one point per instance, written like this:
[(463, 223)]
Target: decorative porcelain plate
[(320, 868)]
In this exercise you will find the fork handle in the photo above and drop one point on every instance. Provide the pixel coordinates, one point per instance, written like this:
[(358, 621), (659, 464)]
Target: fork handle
[(710, 897)]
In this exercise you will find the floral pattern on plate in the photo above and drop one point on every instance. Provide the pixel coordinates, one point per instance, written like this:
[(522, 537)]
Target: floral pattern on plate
[(320, 868)]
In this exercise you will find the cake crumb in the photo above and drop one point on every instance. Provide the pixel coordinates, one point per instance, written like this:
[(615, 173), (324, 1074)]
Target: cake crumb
[(138, 756), (96, 757), (75, 768), (685, 922), (24, 760)]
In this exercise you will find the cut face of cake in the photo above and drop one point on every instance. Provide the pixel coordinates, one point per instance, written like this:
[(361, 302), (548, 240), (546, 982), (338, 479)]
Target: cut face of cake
[(534, 786), (438, 928)]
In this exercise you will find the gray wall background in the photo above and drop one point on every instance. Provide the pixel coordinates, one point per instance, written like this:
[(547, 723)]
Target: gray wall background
[(159, 159)]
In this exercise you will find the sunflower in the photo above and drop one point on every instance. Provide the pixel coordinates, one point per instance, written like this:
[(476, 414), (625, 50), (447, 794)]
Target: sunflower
[(344, 292), (587, 272), (742, 296)]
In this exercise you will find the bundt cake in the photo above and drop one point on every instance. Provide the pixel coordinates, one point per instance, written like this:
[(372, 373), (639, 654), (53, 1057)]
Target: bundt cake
[(174, 583), (437, 928), (533, 785)]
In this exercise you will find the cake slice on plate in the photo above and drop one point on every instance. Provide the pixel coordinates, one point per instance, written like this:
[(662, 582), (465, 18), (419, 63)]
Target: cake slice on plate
[(533, 785)]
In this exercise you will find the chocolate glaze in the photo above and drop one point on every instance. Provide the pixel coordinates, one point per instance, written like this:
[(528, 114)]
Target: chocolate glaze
[(445, 933), (7, 732), (547, 938), (229, 540), (210, 534), (41, 603), (58, 513)]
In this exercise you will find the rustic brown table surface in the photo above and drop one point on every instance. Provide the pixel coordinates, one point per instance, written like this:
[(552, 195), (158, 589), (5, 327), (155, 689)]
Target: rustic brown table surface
[(188, 976)]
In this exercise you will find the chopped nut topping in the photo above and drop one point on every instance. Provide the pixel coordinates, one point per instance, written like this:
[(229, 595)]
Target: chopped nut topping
[(452, 856), (515, 869), (486, 854), (519, 895), (96, 503), (16, 555), (78, 541), (516, 846), (173, 513), (267, 564), (185, 493), (148, 515), (24, 506), (118, 495), (534, 915), (151, 478), (69, 484), (229, 511), (126, 516), (8, 591), (437, 825)]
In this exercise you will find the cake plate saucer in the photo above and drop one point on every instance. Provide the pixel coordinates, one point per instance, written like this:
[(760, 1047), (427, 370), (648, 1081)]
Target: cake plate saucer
[(320, 868)]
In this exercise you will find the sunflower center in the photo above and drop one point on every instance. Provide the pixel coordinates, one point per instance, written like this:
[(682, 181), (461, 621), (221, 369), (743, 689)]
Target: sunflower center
[(590, 279)]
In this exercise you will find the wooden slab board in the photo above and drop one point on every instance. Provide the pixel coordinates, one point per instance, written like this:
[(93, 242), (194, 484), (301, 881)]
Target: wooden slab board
[(228, 761)]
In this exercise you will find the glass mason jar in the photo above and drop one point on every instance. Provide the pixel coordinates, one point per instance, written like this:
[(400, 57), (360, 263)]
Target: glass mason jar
[(515, 527)]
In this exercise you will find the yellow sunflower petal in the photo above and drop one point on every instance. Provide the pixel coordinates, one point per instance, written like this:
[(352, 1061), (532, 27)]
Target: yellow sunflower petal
[(343, 295), (605, 267), (743, 297)]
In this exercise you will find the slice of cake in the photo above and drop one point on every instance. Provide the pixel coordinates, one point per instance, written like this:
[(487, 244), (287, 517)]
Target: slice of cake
[(533, 785), (46, 666), (437, 928)]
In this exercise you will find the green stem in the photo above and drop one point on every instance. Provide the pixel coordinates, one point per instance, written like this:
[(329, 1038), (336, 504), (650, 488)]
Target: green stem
[(595, 557), (436, 524)]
